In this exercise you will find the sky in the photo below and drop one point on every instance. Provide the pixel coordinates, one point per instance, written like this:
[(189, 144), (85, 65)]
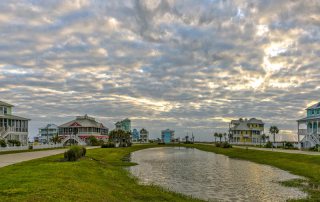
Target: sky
[(187, 65)]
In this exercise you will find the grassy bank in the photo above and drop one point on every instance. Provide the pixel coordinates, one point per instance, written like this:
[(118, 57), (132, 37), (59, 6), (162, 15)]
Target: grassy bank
[(98, 177), (298, 164)]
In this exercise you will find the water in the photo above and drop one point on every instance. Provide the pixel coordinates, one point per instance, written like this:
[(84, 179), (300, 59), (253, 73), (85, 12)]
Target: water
[(212, 177)]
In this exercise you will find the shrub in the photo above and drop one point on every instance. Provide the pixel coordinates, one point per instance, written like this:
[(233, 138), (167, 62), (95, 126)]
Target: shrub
[(223, 145), (14, 142), (108, 145), (74, 153), (269, 144), (30, 147), (288, 145), (3, 143), (93, 141)]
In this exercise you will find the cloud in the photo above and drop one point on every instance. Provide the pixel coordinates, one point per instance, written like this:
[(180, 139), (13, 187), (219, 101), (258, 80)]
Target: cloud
[(186, 65)]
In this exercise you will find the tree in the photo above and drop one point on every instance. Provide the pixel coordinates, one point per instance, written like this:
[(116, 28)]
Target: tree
[(56, 139), (220, 135), (263, 137), (225, 136), (93, 141), (215, 137), (274, 130), (120, 136)]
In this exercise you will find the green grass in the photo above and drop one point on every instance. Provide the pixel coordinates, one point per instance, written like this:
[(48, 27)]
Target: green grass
[(98, 177)]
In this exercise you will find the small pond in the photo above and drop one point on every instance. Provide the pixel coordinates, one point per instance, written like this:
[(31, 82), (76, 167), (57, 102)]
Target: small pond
[(211, 176)]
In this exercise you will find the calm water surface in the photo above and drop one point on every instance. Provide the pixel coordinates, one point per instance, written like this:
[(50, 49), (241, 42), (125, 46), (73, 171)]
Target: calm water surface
[(211, 176)]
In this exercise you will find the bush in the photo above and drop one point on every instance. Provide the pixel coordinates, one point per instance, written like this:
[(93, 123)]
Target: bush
[(223, 145), (74, 153), (269, 144), (30, 147), (108, 145), (3, 143), (14, 142), (93, 141), (288, 145)]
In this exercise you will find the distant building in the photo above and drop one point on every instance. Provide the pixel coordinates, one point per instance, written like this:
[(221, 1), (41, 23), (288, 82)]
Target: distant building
[(124, 125), (144, 135), (82, 128), (135, 135), (12, 127), (47, 133), (308, 127), (167, 136), (246, 131)]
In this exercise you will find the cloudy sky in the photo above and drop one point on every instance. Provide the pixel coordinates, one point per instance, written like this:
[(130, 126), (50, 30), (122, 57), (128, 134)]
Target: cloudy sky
[(186, 65)]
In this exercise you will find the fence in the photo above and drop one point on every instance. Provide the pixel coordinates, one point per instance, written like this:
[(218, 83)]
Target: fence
[(19, 148)]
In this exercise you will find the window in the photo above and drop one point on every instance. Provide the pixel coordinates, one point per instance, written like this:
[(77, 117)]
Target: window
[(5, 110)]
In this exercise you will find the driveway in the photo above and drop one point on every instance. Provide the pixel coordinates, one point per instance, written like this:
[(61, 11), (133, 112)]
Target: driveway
[(9, 159)]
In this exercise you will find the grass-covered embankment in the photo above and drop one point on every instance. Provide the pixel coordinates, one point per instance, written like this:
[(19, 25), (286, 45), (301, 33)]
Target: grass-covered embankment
[(98, 177), (298, 164)]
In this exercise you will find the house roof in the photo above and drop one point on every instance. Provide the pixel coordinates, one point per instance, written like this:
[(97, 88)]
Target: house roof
[(315, 106), (241, 126), (143, 131), (254, 120), (309, 118), (83, 121), (50, 126), (5, 104), (9, 116)]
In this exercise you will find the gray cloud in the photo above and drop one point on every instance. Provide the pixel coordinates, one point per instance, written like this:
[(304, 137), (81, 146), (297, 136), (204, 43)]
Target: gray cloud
[(187, 65)]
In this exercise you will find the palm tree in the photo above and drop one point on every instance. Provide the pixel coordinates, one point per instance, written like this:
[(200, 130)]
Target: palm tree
[(263, 137), (225, 136), (56, 139), (215, 137), (274, 130), (220, 135)]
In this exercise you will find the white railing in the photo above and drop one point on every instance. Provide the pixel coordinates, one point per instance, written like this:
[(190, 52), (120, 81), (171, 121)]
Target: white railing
[(47, 146), (19, 148), (303, 132), (73, 137)]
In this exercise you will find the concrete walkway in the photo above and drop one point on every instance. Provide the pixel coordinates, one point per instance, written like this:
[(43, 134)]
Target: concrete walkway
[(9, 159), (279, 150)]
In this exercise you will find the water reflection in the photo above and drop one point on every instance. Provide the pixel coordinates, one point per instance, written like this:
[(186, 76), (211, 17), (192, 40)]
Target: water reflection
[(210, 176)]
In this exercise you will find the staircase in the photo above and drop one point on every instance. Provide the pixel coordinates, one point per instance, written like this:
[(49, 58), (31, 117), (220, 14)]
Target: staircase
[(73, 137), (312, 139), (4, 132)]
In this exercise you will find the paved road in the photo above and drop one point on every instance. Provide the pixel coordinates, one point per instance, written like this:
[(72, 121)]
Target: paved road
[(280, 150), (9, 159)]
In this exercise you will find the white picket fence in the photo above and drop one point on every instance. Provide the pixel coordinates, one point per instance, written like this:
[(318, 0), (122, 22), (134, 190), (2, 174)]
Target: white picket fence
[(19, 148)]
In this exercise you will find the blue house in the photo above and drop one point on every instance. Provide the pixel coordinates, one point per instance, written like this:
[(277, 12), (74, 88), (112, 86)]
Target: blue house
[(167, 136), (308, 127), (135, 135)]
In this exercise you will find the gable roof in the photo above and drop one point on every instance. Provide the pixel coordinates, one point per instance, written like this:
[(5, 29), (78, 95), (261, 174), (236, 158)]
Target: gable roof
[(315, 106), (83, 121), (5, 104)]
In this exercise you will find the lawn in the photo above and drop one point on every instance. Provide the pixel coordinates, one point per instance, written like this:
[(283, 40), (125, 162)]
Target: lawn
[(98, 177)]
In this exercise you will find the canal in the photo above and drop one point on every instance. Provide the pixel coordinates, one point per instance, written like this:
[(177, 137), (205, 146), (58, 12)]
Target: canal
[(211, 176)]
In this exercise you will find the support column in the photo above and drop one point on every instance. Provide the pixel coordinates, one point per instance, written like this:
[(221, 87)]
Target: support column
[(298, 132)]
